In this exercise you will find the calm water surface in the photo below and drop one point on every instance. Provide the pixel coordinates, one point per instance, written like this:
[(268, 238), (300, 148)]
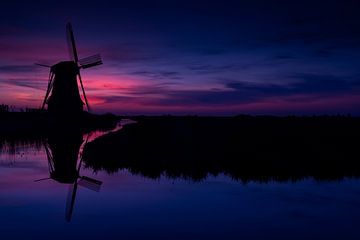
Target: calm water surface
[(130, 206)]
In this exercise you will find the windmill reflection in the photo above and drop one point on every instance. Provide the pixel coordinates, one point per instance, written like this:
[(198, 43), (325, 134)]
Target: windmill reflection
[(64, 155)]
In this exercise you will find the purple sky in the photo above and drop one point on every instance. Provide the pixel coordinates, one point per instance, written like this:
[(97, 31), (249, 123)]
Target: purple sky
[(190, 57)]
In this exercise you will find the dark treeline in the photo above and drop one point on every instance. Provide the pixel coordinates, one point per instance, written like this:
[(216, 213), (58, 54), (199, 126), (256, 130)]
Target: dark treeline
[(33, 128), (4, 108), (41, 122), (244, 147)]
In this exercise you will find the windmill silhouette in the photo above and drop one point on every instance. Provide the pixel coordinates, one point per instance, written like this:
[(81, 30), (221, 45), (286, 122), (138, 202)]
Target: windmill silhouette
[(62, 94)]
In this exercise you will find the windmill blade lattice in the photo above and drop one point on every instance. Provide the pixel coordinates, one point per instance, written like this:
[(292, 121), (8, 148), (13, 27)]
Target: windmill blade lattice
[(91, 61)]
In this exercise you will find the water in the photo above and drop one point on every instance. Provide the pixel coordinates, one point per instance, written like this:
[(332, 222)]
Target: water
[(131, 206)]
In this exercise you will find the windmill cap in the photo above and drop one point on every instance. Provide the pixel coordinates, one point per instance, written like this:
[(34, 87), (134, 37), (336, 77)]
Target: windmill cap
[(65, 66)]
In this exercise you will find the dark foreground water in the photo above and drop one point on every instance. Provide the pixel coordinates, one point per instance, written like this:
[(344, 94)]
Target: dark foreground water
[(131, 206)]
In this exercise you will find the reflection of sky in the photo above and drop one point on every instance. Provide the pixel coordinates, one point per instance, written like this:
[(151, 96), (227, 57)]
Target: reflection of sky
[(217, 57), (134, 207)]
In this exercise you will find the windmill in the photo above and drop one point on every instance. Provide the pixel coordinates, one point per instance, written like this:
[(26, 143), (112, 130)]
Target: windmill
[(62, 94)]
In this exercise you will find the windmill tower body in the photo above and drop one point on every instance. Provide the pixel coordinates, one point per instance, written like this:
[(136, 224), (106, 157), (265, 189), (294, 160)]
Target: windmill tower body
[(62, 95), (65, 95)]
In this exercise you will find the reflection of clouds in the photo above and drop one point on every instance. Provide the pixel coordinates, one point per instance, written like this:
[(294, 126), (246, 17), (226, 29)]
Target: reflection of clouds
[(22, 156)]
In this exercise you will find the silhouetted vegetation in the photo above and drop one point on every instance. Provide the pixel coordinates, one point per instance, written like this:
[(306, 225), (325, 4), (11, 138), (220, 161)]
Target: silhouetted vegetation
[(33, 127), (41, 122), (4, 108), (245, 148)]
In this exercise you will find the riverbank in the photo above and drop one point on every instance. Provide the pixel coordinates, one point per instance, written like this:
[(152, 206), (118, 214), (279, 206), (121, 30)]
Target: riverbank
[(245, 148)]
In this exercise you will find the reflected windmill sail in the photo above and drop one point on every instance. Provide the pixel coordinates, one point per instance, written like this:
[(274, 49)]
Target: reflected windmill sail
[(84, 181), (70, 201)]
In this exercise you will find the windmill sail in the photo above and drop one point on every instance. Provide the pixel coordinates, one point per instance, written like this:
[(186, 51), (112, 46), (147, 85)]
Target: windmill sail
[(90, 61), (49, 88), (90, 183), (71, 43), (84, 94), (70, 202), (42, 65)]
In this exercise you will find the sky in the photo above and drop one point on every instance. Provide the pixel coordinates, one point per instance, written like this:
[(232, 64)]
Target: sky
[(190, 57)]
